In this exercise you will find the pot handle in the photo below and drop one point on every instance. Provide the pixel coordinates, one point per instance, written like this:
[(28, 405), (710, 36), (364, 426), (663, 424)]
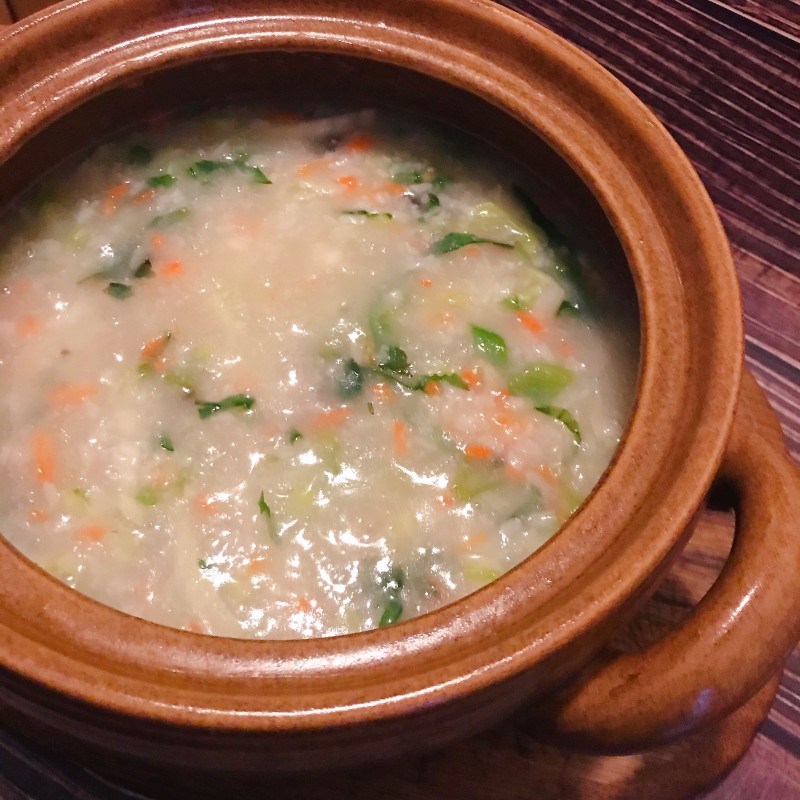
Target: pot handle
[(738, 635)]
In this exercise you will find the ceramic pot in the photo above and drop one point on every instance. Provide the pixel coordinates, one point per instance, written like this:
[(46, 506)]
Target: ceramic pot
[(107, 683)]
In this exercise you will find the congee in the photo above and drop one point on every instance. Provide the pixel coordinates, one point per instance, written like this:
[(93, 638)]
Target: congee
[(276, 376)]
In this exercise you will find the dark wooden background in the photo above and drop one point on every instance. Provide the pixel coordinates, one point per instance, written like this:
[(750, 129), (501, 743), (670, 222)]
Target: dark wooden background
[(724, 76)]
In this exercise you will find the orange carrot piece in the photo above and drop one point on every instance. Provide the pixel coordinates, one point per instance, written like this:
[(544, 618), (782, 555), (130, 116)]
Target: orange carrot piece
[(447, 500), (155, 347), (472, 377), (71, 394), (115, 192), (425, 282), (546, 473), (44, 458), (360, 143), (392, 188), (478, 451), (433, 388), (95, 532), (330, 419), (157, 241), (349, 182), (144, 197), (256, 566), (528, 321), (172, 269), (37, 515), (207, 505), (382, 391), (474, 540), (28, 326), (400, 438)]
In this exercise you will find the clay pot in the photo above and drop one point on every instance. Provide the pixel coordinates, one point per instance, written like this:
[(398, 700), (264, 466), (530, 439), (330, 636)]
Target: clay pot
[(111, 684)]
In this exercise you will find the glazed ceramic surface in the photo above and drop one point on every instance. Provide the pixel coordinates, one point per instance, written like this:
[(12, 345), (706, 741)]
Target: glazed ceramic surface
[(121, 685)]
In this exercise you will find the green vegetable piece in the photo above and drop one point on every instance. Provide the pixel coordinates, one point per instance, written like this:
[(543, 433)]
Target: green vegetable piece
[(433, 201), (294, 435), (202, 563), (148, 496), (470, 480), (263, 507), (395, 360), (491, 345), (480, 573), (442, 377), (242, 401), (408, 177), (455, 241), (162, 181), (515, 303), (541, 382), (259, 176), (352, 380), (165, 442), (139, 155), (391, 613), (120, 291), (362, 212), (81, 494), (205, 167), (144, 270), (564, 417), (166, 220)]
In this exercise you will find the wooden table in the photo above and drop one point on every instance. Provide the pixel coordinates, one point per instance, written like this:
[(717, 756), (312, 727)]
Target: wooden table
[(723, 75)]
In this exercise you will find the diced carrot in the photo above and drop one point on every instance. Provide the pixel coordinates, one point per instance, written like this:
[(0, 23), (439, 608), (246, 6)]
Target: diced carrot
[(207, 505), (501, 397), (256, 566), (37, 515), (155, 347), (528, 321), (382, 391), (120, 190), (71, 394), (44, 458), (28, 325), (349, 182), (433, 388), (392, 188), (304, 605), (447, 500), (95, 532), (144, 197), (312, 167), (157, 241), (471, 250), (172, 269), (425, 282), (472, 377), (546, 473), (400, 437), (360, 143), (330, 419), (478, 451), (505, 421)]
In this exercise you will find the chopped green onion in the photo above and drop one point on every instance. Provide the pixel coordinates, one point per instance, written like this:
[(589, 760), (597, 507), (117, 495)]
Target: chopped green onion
[(206, 408), (352, 380), (206, 167), (433, 201), (362, 212), (202, 563), (165, 220), (139, 155), (454, 241), (264, 509), (391, 613), (144, 270), (119, 290), (540, 382), (148, 496), (515, 303), (165, 442), (564, 417), (161, 181), (442, 377), (259, 176), (489, 344)]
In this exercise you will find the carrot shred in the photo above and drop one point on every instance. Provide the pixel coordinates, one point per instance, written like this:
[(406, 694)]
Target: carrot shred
[(330, 419), (28, 325), (360, 143), (426, 282), (71, 394), (529, 322), (546, 473), (120, 190), (144, 197), (157, 241), (155, 347), (37, 515), (349, 182), (44, 459), (400, 437), (433, 388), (472, 377), (95, 532), (172, 269), (478, 451)]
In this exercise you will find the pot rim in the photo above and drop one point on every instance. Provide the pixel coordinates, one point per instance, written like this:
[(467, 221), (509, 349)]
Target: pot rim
[(561, 591)]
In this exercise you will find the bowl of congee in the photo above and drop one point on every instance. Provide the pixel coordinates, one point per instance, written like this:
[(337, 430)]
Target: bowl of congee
[(363, 369)]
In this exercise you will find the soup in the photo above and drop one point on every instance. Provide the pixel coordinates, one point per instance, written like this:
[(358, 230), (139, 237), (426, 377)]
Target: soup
[(276, 377)]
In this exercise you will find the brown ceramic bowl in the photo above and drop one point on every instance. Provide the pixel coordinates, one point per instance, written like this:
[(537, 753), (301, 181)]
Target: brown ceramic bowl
[(109, 683)]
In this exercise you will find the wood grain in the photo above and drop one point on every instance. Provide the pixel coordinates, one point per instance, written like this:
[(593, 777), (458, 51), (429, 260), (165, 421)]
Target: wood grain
[(723, 76)]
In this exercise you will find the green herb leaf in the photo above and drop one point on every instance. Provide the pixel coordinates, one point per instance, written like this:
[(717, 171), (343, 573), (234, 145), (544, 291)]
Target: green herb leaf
[(265, 510), (205, 167), (139, 155), (433, 201), (489, 344), (362, 212), (352, 380), (166, 443), (161, 181), (206, 408), (148, 496), (395, 360), (165, 220), (294, 435), (564, 417), (515, 303), (202, 563), (454, 241), (144, 270), (442, 377), (391, 613), (408, 177), (119, 290), (540, 382), (259, 176), (263, 507)]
